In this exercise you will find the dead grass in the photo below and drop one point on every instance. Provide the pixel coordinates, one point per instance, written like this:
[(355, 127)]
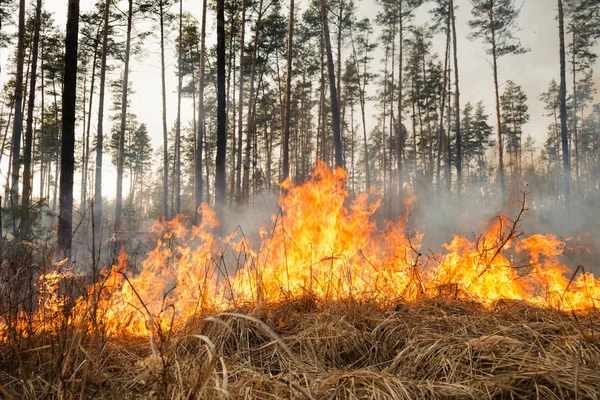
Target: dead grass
[(431, 349)]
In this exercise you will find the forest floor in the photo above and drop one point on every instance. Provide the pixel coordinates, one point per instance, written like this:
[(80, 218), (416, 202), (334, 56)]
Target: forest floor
[(438, 348)]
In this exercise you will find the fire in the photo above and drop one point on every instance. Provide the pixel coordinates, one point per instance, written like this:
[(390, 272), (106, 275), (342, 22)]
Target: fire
[(324, 245)]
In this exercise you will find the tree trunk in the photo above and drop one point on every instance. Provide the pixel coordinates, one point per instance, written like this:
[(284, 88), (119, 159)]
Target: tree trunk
[(100, 134), (67, 159), (498, 123), (201, 124), (18, 121), (165, 197), (178, 127), (399, 149), (86, 157), (29, 130), (220, 184), (250, 124), (288, 96), (121, 155), (238, 194), (335, 107), (456, 103), (563, 106), (443, 106)]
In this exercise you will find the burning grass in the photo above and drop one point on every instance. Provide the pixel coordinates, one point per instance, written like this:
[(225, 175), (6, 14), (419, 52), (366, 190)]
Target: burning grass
[(326, 306)]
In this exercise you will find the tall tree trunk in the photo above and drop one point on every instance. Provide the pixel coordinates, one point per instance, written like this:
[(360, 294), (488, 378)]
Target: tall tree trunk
[(100, 134), (67, 159), (178, 127), (563, 106), (18, 121), (456, 103), (361, 97), (238, 194), (443, 105), (220, 184), (399, 149), (29, 130), (201, 124), (250, 125), (498, 119), (575, 135), (165, 194), (335, 107), (288, 96), (121, 155), (86, 157)]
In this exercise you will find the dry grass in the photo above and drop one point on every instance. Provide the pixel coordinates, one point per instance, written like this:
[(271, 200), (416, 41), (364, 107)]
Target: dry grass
[(431, 349)]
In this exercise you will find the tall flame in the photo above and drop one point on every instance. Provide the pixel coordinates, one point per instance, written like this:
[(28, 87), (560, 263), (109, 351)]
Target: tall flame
[(324, 245)]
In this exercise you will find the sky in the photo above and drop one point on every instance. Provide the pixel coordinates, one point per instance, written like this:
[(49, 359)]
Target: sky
[(533, 70)]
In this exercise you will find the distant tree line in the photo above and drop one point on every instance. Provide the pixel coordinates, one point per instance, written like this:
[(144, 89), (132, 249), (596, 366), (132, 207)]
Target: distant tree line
[(279, 89)]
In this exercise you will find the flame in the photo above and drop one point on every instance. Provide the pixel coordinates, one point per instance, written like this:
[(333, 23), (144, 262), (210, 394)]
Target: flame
[(325, 245)]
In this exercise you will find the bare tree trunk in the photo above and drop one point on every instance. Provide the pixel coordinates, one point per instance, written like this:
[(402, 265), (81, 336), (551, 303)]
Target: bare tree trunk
[(443, 106), (288, 94), (100, 135), (563, 106), (238, 195), (456, 103), (220, 183), (18, 121), (86, 156), (121, 155), (178, 127), (335, 107), (201, 124), (250, 125), (29, 130), (498, 123), (67, 159), (165, 194)]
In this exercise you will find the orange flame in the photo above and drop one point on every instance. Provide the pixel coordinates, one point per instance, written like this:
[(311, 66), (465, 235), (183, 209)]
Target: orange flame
[(324, 245)]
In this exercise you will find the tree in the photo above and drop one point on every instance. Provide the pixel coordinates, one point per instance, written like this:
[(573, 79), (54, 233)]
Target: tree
[(220, 183), (67, 159), (201, 112), (159, 9), (288, 93), (361, 55), (495, 21), (18, 119), (335, 108), (563, 104), (125, 93), (97, 222), (514, 115), (29, 129)]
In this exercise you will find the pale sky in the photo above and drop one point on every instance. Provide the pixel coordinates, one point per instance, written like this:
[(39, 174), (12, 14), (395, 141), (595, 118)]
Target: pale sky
[(533, 70)]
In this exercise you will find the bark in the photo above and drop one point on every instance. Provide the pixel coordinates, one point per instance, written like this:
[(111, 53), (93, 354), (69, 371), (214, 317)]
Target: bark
[(86, 157), (443, 106), (201, 124), (220, 184), (29, 129), (100, 134), (165, 194), (18, 120), (563, 106), (288, 94), (177, 176), (497, 97), (250, 125), (335, 108), (121, 155), (456, 102), (67, 159), (238, 195)]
